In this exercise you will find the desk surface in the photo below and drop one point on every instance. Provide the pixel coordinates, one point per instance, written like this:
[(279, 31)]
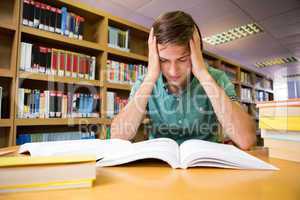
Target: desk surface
[(155, 180)]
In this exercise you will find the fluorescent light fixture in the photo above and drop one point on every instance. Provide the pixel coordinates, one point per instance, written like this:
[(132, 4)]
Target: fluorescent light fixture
[(233, 34), (276, 61)]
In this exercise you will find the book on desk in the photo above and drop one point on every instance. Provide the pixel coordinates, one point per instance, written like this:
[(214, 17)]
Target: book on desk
[(191, 153), (27, 173)]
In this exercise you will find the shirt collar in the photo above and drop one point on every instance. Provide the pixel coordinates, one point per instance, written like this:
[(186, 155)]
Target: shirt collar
[(164, 83)]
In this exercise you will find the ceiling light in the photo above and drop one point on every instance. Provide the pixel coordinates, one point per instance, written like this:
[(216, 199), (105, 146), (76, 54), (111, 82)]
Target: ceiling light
[(276, 61), (233, 34)]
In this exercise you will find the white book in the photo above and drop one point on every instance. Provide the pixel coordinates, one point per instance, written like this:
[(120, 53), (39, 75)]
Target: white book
[(281, 135), (110, 104), (47, 103), (21, 103), (191, 153), (23, 56), (92, 70), (28, 57)]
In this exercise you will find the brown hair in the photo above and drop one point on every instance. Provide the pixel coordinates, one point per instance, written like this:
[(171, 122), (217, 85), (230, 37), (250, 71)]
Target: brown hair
[(175, 27)]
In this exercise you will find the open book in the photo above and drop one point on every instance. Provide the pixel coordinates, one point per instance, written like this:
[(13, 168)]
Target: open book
[(191, 153)]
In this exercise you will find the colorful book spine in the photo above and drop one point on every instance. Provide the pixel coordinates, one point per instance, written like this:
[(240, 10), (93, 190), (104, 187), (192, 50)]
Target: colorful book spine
[(118, 72), (23, 138), (45, 17), (50, 61), (55, 104)]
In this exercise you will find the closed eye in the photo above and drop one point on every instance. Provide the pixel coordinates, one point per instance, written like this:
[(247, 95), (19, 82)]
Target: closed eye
[(163, 60)]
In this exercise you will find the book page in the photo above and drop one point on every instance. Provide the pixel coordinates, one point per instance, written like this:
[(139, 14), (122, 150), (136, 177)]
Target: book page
[(203, 153), (99, 148), (162, 148)]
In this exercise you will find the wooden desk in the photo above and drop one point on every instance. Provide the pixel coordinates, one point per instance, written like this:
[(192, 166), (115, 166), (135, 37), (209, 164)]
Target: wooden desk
[(155, 180)]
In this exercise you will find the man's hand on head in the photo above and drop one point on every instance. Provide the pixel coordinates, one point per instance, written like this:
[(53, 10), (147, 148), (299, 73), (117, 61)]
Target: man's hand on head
[(153, 58), (198, 64)]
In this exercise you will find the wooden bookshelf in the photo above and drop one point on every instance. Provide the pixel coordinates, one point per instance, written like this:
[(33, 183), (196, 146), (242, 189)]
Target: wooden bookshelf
[(127, 54), (118, 86), (59, 79), (9, 32), (49, 36), (6, 122), (94, 43)]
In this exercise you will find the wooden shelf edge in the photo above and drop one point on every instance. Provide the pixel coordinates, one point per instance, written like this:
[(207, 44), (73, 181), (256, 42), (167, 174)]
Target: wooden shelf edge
[(60, 38), (68, 80), (6, 122), (5, 73), (119, 86), (127, 54), (59, 121), (7, 26), (247, 85)]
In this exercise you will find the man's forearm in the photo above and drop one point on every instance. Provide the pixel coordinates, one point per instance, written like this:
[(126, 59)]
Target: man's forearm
[(236, 122), (126, 123)]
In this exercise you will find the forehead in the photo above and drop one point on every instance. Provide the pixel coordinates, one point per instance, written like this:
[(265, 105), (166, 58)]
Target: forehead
[(172, 50)]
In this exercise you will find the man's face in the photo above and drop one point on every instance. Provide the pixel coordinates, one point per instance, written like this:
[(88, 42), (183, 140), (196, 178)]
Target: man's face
[(175, 63)]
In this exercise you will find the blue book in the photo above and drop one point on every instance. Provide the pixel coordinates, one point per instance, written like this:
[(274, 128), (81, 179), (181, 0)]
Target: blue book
[(64, 15), (90, 104), (81, 104), (37, 102)]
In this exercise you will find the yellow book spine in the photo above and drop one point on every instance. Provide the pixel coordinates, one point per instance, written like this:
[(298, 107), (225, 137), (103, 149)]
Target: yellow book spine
[(280, 123), (88, 181)]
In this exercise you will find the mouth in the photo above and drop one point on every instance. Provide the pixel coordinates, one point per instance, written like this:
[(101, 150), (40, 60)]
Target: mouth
[(174, 78)]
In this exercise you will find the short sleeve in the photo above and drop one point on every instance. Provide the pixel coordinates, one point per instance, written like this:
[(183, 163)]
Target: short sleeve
[(227, 85)]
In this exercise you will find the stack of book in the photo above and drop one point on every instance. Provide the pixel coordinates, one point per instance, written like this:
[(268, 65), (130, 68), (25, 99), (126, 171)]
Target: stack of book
[(26, 173), (115, 104), (118, 72), (245, 77), (55, 104), (54, 136), (56, 20), (50, 61), (260, 95), (246, 95), (280, 128), (118, 38)]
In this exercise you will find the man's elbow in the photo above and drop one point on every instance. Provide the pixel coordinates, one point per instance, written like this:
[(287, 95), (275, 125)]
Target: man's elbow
[(248, 142)]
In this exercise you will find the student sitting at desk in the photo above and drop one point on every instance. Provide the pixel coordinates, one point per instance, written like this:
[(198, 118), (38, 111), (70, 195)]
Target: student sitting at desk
[(184, 97)]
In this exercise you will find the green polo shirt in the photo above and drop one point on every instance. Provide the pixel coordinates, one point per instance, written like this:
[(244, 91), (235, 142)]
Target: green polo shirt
[(189, 115)]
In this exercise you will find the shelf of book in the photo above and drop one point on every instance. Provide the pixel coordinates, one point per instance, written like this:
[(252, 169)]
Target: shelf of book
[(68, 80), (49, 36)]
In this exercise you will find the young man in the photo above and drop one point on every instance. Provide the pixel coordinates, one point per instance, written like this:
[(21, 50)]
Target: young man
[(184, 97)]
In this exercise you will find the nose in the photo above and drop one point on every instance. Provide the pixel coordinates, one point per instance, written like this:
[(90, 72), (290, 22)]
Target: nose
[(173, 70)]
